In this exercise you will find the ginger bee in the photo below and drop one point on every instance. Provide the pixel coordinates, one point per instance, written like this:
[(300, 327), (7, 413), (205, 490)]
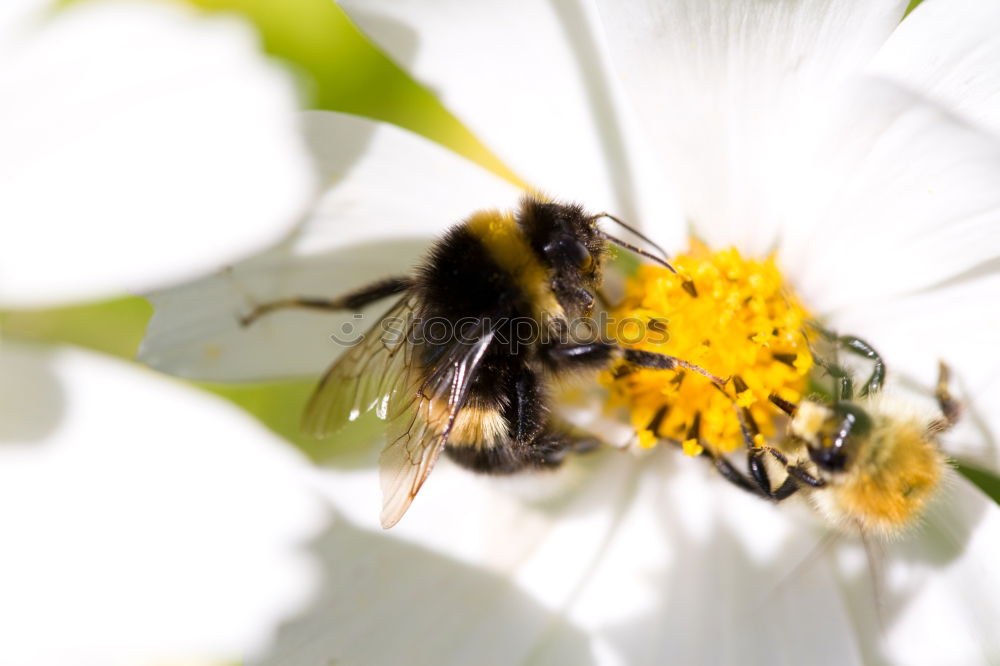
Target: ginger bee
[(868, 460)]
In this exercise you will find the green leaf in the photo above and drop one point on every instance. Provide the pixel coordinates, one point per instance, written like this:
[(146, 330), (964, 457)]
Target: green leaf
[(114, 327), (912, 6), (985, 480)]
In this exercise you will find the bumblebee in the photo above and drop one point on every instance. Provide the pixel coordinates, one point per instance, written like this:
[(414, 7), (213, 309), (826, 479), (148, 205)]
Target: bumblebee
[(870, 461), (467, 360)]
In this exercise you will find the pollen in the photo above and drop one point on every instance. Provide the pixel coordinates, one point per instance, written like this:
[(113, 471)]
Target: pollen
[(647, 439), (692, 447), (741, 319)]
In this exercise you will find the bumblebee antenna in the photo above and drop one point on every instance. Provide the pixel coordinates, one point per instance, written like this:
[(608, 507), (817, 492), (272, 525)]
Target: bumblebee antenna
[(638, 250), (636, 232), (688, 285)]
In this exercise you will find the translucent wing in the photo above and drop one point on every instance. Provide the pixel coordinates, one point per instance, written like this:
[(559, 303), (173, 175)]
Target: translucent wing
[(421, 402), (421, 419), (366, 375)]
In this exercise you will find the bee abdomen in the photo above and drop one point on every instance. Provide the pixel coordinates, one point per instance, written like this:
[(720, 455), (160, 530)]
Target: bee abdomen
[(547, 451)]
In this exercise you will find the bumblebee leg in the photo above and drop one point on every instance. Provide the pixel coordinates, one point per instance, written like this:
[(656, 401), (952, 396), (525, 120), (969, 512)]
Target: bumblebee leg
[(647, 359), (596, 354), (592, 354), (843, 389), (786, 406), (796, 475), (859, 347), (552, 447), (525, 414), (750, 484), (734, 476), (722, 465), (950, 408), (558, 440), (796, 472), (865, 350), (354, 300)]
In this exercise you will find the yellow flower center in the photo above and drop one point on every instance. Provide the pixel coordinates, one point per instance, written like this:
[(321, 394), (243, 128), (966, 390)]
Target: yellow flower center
[(744, 321)]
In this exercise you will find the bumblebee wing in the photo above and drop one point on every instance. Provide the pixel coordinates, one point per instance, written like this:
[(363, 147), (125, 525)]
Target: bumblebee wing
[(366, 375), (421, 419)]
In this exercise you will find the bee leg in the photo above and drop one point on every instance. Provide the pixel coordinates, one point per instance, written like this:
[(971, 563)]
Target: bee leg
[(551, 448), (843, 389), (734, 476), (592, 354), (751, 484), (721, 463), (950, 408), (541, 439), (859, 347), (796, 475), (597, 354), (525, 414), (752, 439), (354, 300), (579, 440), (865, 350), (646, 359)]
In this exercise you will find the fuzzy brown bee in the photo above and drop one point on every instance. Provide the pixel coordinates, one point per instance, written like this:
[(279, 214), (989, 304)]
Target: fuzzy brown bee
[(868, 461)]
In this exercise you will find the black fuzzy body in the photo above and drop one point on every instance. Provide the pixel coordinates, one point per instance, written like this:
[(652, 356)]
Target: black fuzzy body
[(464, 286)]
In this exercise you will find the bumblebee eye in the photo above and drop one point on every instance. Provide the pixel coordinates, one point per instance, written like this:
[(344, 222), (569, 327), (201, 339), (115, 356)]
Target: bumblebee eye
[(576, 252), (570, 251)]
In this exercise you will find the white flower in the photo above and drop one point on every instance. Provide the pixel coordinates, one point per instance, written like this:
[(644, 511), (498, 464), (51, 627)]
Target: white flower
[(142, 520), (807, 126)]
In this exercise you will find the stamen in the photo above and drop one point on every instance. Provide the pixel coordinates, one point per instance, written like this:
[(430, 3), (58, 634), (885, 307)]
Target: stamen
[(745, 323)]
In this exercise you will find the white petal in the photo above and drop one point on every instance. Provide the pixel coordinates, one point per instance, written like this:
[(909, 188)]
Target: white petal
[(532, 81), (386, 601), (718, 83), (16, 16), (960, 71), (940, 596), (143, 144), (887, 196), (142, 521), (647, 561), (392, 193)]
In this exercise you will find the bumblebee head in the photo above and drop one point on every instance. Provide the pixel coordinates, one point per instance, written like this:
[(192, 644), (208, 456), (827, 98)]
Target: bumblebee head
[(566, 238), (832, 433)]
